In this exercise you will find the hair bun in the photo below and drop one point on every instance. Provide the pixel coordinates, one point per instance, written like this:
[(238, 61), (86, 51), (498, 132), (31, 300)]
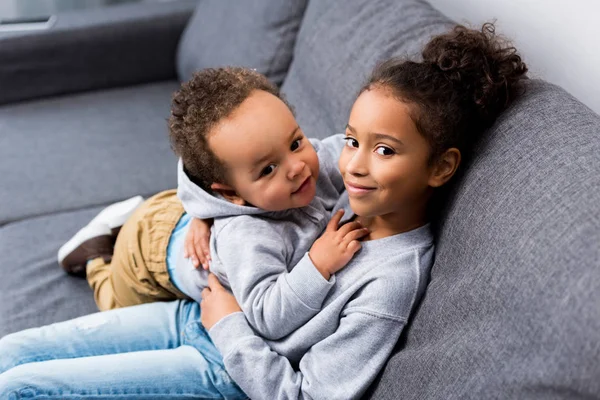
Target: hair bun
[(483, 65)]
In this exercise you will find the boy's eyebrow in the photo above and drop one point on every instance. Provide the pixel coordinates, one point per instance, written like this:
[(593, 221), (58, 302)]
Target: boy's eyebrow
[(294, 131), (264, 158), (378, 135)]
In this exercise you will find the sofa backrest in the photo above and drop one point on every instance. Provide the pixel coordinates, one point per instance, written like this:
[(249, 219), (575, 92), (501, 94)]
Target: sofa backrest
[(339, 43), (258, 34)]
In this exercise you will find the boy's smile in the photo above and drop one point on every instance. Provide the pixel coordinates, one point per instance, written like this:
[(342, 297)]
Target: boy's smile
[(269, 162)]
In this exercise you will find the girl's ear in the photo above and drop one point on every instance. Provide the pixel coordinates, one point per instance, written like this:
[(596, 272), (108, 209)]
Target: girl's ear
[(445, 167), (228, 193)]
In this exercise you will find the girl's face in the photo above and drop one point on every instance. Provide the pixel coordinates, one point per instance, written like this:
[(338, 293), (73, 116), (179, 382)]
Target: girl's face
[(385, 161)]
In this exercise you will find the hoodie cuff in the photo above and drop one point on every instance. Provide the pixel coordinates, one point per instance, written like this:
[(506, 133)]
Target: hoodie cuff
[(229, 331), (308, 284)]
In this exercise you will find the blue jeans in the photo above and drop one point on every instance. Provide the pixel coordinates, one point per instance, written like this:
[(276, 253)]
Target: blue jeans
[(150, 351)]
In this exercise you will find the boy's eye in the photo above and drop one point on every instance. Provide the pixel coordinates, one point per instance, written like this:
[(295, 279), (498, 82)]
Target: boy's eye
[(267, 170), (384, 151), (295, 144), (351, 142)]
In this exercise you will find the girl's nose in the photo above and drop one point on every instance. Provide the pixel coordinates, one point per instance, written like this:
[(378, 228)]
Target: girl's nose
[(357, 164)]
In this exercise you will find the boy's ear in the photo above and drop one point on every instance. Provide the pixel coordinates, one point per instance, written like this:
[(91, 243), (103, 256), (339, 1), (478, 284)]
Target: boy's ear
[(445, 167), (228, 193)]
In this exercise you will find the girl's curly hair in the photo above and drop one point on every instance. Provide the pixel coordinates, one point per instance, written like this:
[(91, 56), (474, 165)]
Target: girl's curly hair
[(209, 96), (466, 79)]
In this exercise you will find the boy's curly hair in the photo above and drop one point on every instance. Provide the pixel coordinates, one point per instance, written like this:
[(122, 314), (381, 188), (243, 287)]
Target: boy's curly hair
[(199, 104)]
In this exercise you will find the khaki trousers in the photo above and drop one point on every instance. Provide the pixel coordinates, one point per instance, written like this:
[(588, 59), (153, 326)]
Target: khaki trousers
[(138, 271)]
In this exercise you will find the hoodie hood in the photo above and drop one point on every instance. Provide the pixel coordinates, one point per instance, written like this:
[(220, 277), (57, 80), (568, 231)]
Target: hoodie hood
[(202, 205)]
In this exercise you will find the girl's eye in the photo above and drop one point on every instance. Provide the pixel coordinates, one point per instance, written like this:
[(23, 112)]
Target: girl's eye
[(296, 144), (384, 151), (351, 142), (267, 170)]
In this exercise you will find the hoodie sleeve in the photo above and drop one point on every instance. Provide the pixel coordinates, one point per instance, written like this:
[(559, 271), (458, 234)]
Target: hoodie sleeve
[(275, 301), (329, 151), (342, 366)]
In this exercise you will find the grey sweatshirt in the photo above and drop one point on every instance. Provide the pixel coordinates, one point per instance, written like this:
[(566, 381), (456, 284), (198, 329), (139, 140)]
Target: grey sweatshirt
[(338, 352), (262, 256)]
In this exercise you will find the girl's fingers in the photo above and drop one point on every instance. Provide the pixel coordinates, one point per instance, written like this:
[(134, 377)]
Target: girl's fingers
[(213, 282), (205, 292), (333, 223)]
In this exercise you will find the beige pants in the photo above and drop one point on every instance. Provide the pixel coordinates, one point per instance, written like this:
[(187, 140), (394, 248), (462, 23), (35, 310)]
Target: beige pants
[(138, 271)]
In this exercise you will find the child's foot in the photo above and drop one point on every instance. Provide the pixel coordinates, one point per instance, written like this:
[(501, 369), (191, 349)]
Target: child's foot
[(97, 238), (92, 241), (116, 214)]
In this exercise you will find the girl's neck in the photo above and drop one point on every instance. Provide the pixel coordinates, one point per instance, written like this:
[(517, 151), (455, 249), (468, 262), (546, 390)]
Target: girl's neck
[(382, 226)]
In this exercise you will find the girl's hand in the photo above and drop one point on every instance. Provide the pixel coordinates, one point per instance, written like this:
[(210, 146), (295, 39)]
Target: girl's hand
[(196, 244), (217, 303), (337, 245)]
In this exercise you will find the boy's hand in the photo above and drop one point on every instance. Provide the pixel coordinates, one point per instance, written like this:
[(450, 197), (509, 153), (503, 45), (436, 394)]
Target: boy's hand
[(217, 303), (336, 247), (196, 244)]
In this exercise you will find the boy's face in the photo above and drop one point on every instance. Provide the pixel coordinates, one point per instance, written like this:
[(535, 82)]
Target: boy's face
[(269, 162)]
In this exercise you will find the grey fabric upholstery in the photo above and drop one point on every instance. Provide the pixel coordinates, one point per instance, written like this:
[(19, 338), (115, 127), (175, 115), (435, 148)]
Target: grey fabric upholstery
[(512, 309), (71, 152), (34, 290), (93, 49), (513, 306), (257, 34), (338, 45)]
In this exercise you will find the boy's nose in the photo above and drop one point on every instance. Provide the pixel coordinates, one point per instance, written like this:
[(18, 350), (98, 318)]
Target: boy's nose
[(296, 169)]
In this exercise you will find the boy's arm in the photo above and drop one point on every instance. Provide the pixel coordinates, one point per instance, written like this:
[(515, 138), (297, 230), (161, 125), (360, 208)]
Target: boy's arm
[(275, 301), (342, 366)]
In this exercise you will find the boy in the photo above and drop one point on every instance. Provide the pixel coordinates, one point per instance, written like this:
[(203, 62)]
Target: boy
[(244, 162)]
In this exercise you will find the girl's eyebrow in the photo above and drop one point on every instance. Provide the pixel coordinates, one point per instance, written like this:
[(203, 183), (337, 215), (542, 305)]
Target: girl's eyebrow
[(378, 136), (388, 137)]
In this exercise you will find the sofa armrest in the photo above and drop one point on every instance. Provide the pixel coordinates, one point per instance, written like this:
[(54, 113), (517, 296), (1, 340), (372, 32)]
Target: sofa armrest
[(94, 49)]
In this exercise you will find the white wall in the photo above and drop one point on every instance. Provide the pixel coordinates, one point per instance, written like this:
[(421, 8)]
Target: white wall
[(558, 39)]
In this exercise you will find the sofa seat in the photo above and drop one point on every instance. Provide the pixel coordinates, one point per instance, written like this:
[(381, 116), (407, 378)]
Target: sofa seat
[(39, 292)]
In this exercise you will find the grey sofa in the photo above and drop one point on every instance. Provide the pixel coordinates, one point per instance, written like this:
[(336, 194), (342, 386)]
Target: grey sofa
[(513, 306)]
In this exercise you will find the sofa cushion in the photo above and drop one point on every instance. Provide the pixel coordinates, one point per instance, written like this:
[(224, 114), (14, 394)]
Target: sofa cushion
[(512, 309), (71, 152), (258, 34), (338, 45), (34, 290)]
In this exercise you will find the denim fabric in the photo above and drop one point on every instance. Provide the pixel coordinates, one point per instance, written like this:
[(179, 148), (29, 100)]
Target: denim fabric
[(157, 350)]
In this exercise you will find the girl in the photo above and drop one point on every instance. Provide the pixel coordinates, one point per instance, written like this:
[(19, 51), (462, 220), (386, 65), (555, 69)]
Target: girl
[(408, 130)]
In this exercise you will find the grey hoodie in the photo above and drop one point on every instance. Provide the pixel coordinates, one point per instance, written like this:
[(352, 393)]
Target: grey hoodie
[(262, 256), (338, 352)]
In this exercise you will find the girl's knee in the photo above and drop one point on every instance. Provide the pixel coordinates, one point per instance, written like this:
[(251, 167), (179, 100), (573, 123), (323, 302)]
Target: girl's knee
[(16, 384), (11, 352)]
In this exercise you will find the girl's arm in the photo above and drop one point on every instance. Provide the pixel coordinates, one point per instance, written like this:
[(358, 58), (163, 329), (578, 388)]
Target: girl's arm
[(342, 366)]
